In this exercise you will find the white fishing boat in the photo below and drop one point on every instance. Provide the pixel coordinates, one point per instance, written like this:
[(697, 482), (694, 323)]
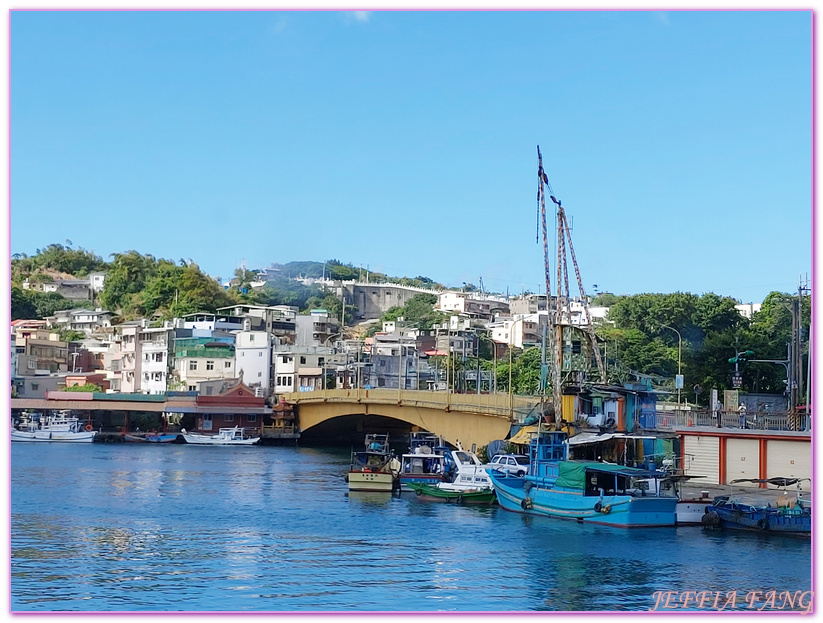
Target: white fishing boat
[(225, 437), (58, 427)]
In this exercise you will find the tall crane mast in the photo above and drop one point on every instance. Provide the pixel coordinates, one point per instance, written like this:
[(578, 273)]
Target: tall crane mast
[(562, 310)]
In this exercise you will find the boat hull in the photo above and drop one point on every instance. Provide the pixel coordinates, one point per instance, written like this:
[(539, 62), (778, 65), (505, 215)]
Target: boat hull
[(370, 481), (60, 436), (406, 480), (437, 494), (162, 438), (621, 511), (797, 521), (690, 513), (197, 440)]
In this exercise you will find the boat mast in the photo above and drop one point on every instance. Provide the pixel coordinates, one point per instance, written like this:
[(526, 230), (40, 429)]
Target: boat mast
[(562, 311)]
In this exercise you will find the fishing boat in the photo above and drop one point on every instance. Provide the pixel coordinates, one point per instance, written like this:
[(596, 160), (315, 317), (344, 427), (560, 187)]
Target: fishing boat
[(585, 491), (426, 461), (375, 468), (785, 515), (59, 427), (225, 437)]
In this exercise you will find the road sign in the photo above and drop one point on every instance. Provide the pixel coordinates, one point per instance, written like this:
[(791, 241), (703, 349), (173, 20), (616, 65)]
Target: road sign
[(737, 380), (678, 381)]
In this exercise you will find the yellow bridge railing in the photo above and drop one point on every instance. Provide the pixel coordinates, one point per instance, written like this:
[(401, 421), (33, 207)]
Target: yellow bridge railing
[(515, 407)]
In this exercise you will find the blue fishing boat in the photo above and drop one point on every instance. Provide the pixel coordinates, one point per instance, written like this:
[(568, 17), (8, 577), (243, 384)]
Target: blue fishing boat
[(585, 491), (782, 516)]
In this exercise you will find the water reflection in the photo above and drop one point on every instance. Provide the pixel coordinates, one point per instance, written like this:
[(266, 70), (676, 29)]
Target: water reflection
[(154, 528)]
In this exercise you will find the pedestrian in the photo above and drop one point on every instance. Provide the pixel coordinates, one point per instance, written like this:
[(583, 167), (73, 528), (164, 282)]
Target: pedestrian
[(742, 411)]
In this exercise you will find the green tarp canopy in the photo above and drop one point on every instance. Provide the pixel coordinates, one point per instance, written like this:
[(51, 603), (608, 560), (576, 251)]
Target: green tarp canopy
[(572, 474)]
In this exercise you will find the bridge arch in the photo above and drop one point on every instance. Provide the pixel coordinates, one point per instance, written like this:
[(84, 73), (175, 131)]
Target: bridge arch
[(473, 420)]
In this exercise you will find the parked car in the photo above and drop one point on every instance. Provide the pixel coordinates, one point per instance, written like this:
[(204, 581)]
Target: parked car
[(513, 464)]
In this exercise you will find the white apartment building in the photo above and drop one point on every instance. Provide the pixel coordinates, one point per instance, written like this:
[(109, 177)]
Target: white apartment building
[(253, 360), (153, 348), (525, 329)]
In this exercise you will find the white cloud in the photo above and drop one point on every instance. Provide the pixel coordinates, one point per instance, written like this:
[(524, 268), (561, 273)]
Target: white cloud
[(662, 17), (359, 16), (278, 26)]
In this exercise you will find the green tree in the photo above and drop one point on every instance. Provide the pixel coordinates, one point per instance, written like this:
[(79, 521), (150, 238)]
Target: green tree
[(22, 305), (127, 277)]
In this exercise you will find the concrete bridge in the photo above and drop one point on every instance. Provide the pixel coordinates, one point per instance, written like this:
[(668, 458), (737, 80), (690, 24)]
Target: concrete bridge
[(469, 418)]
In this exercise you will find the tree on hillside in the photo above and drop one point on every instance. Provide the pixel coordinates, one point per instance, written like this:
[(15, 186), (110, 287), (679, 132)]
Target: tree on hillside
[(127, 276), (198, 292), (22, 305), (418, 310)]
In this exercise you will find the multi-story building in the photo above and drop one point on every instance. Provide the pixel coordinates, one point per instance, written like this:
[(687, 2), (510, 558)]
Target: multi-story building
[(316, 329), (277, 320), (41, 356), (199, 359), (154, 347), (471, 304), (253, 351), (522, 332), (86, 321)]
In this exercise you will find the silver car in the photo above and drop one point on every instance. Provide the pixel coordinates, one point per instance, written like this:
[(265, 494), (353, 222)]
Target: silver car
[(512, 464)]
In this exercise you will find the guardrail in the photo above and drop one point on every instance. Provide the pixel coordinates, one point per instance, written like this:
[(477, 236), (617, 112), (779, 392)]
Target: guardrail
[(729, 419)]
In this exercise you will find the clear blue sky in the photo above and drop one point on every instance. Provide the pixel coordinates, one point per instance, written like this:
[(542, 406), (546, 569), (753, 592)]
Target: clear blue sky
[(679, 142)]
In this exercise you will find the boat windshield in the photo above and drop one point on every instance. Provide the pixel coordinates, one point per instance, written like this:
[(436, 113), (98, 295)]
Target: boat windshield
[(464, 458)]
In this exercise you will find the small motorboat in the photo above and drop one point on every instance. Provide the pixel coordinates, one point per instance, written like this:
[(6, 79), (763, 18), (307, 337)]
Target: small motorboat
[(161, 437), (225, 437), (442, 492), (466, 481)]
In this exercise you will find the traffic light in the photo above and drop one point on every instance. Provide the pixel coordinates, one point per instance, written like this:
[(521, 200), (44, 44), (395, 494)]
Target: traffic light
[(741, 357)]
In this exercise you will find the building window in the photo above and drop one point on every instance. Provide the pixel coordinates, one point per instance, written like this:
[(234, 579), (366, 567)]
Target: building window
[(252, 417), (289, 381), (321, 361), (192, 388), (35, 387), (260, 354), (209, 365), (251, 337), (230, 417), (243, 354), (576, 347), (259, 374), (227, 364), (302, 360), (192, 365)]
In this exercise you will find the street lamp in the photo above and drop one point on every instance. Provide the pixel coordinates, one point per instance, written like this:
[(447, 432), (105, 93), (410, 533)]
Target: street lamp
[(679, 381)]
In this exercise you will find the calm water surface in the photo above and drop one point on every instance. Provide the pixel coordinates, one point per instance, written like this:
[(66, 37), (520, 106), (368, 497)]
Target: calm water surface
[(136, 527)]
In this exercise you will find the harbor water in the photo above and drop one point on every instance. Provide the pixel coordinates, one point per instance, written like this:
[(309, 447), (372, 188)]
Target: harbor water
[(167, 527)]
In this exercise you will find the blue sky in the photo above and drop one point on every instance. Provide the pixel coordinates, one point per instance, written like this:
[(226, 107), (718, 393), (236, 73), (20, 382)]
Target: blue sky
[(679, 142)]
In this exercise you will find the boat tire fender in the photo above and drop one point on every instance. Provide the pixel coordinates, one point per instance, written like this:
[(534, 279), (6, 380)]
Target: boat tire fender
[(459, 499), (763, 524), (88, 428), (598, 507), (526, 504), (607, 509), (419, 492)]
